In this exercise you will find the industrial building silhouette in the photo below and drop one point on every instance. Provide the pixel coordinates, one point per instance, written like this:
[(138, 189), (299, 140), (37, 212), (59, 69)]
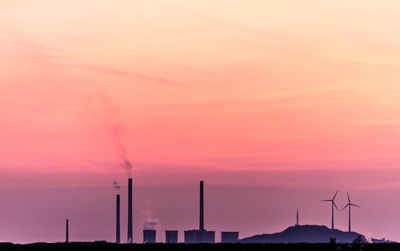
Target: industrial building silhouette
[(171, 236), (229, 237), (118, 222), (130, 223), (201, 235), (149, 236)]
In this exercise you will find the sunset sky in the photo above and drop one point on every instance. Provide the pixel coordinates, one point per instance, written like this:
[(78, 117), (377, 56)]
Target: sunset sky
[(275, 104)]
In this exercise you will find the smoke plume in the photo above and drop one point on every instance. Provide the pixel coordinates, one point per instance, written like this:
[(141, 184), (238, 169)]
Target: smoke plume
[(149, 222), (121, 148), (110, 112), (116, 185)]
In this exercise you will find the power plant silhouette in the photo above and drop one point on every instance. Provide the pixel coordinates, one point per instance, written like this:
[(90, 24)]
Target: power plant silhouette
[(200, 235)]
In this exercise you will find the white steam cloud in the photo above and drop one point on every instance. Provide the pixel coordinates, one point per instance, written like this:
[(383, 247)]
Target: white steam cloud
[(150, 223)]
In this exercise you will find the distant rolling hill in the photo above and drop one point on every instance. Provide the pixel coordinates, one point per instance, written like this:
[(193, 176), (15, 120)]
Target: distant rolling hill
[(305, 234)]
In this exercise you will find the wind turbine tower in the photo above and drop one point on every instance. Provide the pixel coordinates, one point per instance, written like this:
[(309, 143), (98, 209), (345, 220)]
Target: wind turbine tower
[(297, 217), (349, 204), (333, 212)]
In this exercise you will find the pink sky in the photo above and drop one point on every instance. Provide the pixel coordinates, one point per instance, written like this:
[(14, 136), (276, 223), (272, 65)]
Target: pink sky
[(272, 94)]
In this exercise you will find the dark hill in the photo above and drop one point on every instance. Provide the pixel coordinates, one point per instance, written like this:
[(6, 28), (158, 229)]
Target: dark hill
[(306, 233)]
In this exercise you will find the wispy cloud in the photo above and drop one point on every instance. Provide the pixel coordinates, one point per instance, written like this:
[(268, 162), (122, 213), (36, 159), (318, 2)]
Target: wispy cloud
[(101, 69), (383, 186), (93, 67), (122, 73), (228, 24), (40, 47), (117, 72)]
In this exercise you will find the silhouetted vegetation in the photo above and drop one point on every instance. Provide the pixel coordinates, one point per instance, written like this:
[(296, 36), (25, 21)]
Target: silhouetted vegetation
[(87, 246)]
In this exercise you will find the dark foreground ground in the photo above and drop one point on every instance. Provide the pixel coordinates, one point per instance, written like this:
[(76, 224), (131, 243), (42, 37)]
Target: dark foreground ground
[(195, 247)]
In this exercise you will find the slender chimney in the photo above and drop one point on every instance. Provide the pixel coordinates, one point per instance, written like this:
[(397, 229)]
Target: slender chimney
[(130, 234), (117, 237), (201, 227), (66, 231)]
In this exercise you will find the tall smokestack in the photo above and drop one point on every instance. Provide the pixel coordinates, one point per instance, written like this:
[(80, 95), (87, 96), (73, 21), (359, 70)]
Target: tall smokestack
[(201, 227), (117, 237), (66, 231), (130, 234)]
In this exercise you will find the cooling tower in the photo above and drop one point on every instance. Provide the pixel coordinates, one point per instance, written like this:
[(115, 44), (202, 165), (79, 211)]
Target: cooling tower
[(171, 236), (149, 236), (229, 237)]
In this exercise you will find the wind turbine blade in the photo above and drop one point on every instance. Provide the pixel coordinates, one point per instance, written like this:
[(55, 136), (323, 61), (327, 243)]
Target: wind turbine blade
[(348, 197), (355, 205), (335, 195), (345, 207), (335, 205), (326, 200)]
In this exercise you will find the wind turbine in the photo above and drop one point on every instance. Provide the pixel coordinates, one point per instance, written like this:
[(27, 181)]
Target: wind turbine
[(349, 204), (333, 205)]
